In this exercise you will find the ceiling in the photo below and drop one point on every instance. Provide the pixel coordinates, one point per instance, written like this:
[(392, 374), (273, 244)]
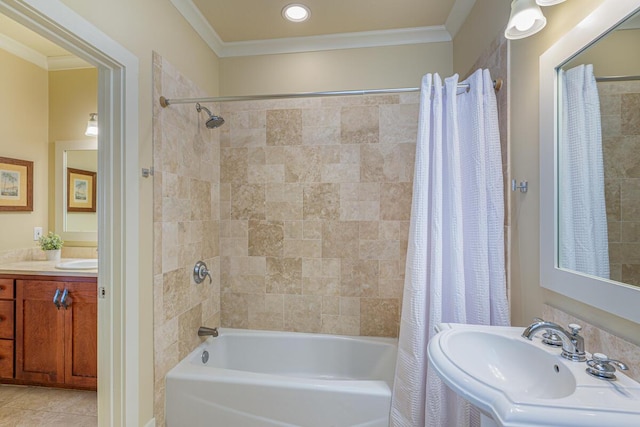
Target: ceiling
[(256, 27)]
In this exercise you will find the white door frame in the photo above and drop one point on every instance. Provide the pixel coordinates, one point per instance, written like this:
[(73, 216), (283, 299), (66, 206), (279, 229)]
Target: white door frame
[(118, 201)]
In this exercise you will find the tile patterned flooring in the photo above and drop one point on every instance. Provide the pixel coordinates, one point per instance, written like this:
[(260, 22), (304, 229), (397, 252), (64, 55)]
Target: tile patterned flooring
[(39, 406)]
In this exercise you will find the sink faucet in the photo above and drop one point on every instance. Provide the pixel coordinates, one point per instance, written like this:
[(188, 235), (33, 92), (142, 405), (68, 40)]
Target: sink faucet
[(572, 343)]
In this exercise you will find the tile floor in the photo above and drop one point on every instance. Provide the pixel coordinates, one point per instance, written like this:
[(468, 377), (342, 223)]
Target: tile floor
[(39, 406)]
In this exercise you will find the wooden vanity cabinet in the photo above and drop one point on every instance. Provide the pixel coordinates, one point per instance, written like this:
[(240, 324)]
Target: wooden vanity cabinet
[(56, 343), (7, 328)]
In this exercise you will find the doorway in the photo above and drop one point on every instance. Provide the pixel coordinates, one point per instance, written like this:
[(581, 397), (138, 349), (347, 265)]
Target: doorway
[(118, 217)]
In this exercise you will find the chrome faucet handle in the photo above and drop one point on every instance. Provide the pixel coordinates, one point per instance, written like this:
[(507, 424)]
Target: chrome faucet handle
[(600, 366), (574, 328), (200, 271), (549, 337)]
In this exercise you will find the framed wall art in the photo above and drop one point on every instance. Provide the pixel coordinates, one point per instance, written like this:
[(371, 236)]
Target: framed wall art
[(81, 190), (16, 185)]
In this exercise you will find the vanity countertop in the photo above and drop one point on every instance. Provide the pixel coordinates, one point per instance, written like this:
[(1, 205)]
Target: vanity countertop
[(44, 268)]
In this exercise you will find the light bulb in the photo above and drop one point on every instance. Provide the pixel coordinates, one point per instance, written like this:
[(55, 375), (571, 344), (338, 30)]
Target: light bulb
[(296, 12)]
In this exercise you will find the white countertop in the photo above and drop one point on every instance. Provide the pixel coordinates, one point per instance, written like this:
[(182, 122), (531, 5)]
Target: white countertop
[(44, 268)]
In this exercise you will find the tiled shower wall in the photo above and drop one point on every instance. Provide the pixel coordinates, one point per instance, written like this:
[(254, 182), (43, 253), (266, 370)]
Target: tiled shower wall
[(620, 112), (186, 224), (315, 199)]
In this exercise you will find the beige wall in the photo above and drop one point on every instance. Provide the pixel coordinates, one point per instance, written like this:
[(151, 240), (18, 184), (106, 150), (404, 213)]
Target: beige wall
[(73, 95), (23, 136), (347, 69), (144, 26), (484, 24)]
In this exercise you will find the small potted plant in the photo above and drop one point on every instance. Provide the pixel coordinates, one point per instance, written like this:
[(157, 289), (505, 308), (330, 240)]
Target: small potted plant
[(51, 244)]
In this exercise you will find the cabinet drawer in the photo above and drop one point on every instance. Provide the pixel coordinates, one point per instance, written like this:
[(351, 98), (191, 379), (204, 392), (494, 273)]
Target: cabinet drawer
[(6, 359), (6, 288), (6, 319)]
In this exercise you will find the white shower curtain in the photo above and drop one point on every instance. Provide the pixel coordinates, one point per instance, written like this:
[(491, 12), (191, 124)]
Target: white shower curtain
[(583, 231), (455, 260)]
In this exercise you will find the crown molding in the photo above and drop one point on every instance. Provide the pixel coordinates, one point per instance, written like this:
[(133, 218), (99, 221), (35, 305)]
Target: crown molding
[(22, 51), (53, 63), (196, 19), (69, 62), (337, 41), (435, 34)]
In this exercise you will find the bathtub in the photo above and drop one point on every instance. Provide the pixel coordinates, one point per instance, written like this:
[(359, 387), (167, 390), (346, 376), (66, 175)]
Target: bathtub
[(260, 379)]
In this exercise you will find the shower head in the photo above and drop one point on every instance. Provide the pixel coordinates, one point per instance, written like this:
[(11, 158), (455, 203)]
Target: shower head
[(213, 121)]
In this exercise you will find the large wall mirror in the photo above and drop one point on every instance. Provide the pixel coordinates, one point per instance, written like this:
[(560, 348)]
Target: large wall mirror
[(76, 165), (590, 161)]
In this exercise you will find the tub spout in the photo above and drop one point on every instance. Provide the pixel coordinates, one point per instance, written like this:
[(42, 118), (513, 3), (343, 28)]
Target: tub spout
[(203, 331)]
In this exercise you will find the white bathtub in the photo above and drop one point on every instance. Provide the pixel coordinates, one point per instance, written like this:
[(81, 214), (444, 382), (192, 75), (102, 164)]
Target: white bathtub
[(259, 379)]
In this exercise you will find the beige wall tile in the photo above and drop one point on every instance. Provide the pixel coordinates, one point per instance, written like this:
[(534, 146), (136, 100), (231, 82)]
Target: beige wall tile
[(337, 191), (395, 201), (379, 317), (186, 214), (303, 313), (266, 238), (321, 201), (284, 275), (359, 125), (284, 127)]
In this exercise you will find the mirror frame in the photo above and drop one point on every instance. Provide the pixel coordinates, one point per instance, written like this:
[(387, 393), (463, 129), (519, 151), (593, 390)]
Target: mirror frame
[(614, 297), (61, 147)]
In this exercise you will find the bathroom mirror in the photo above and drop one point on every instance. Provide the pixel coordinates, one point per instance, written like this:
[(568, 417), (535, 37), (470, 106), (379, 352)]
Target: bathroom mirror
[(75, 180), (578, 198)]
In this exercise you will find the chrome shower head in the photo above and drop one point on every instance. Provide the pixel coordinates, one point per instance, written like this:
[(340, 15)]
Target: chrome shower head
[(213, 121)]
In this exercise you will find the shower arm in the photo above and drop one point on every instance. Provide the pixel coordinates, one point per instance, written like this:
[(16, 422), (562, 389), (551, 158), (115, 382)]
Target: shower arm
[(165, 102)]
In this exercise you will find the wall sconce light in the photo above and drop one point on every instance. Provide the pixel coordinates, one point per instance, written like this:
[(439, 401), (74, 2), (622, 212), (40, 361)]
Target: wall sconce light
[(92, 125), (526, 19)]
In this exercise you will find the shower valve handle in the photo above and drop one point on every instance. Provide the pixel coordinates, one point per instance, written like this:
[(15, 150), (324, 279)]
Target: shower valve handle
[(200, 271)]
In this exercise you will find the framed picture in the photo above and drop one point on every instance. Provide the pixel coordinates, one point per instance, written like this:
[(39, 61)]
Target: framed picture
[(16, 185), (81, 190)]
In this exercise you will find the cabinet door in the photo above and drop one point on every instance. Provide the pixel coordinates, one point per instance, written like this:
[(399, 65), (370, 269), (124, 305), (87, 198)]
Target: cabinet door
[(39, 332), (81, 335), (6, 358), (6, 319)]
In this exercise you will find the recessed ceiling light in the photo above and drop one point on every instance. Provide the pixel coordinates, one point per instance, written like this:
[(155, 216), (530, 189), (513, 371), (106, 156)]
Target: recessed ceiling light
[(296, 12)]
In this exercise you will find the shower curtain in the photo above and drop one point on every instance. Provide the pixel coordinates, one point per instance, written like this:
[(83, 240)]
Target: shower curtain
[(455, 260), (582, 226)]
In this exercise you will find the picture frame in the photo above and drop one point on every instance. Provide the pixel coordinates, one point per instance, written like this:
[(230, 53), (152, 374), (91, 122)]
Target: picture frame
[(16, 185), (81, 190)]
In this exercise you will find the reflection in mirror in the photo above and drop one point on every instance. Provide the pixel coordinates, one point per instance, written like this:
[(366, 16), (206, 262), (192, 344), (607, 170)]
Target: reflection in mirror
[(568, 52), (599, 157), (75, 222), (81, 219)]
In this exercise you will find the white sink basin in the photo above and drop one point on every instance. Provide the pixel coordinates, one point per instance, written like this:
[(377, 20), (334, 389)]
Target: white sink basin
[(78, 264), (518, 382)]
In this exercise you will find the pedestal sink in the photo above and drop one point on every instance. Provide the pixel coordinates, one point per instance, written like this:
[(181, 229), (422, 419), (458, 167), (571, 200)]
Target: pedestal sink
[(517, 382)]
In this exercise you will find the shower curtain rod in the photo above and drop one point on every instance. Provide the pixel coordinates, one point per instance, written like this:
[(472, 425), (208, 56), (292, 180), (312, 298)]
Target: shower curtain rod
[(617, 78), (165, 102)]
